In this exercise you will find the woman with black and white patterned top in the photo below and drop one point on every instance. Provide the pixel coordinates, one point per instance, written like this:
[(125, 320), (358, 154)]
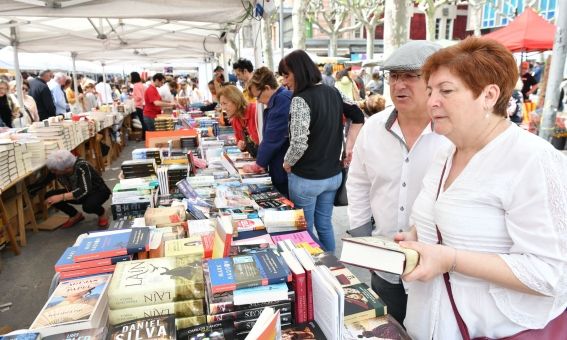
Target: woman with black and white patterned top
[(316, 139)]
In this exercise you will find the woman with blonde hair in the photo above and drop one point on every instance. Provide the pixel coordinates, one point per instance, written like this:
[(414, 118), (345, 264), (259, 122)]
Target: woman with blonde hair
[(242, 117), (9, 109), (30, 107)]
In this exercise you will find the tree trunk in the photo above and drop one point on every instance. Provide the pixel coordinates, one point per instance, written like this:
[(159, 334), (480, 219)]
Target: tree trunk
[(397, 15), (430, 25), (370, 33), (267, 42), (333, 42), (556, 67), (476, 11), (298, 21)]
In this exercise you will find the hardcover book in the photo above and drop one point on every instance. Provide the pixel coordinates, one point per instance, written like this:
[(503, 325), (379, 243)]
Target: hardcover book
[(384, 327), (66, 263), (159, 327), (164, 216), (377, 253), (256, 269), (86, 334), (361, 303), (120, 243), (180, 309), (248, 314), (155, 281), (286, 220), (74, 305), (306, 331), (87, 272), (21, 336), (223, 330), (196, 246)]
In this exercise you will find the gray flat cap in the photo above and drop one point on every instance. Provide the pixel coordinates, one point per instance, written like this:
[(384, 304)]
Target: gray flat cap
[(410, 56)]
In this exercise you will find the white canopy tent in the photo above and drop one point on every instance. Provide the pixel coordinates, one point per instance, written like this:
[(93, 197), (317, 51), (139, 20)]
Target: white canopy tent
[(115, 32)]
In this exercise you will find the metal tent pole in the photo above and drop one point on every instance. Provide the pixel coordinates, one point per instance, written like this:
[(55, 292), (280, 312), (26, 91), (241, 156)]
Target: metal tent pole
[(14, 42)]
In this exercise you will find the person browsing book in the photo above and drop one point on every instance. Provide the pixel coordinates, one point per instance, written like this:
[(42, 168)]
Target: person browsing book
[(81, 185), (242, 117), (316, 139), (153, 102), (392, 153), (264, 87), (497, 198)]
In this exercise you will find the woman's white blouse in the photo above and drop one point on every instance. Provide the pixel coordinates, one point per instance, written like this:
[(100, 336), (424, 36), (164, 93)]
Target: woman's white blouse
[(511, 200)]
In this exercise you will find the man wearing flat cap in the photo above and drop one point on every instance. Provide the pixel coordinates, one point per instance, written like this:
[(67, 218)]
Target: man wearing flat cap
[(391, 156)]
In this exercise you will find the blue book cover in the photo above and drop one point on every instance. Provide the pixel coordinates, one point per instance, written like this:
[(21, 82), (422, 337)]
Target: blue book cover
[(101, 245), (272, 267), (139, 240), (221, 275), (261, 268)]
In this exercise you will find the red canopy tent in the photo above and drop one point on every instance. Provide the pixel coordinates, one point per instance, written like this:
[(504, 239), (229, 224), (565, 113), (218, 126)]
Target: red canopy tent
[(528, 32)]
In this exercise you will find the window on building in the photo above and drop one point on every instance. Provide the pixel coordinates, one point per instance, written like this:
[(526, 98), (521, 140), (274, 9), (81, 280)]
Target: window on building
[(547, 9), (437, 28), (509, 9), (488, 16), (448, 29)]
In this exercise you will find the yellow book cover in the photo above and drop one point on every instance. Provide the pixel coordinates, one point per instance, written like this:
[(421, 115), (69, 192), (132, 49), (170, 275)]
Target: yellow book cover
[(192, 246)]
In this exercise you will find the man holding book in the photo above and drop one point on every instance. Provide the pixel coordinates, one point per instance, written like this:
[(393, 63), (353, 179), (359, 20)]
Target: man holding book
[(392, 153)]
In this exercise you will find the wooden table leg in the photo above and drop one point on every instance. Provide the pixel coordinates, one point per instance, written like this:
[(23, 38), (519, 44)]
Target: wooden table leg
[(30, 213), (8, 228), (21, 219)]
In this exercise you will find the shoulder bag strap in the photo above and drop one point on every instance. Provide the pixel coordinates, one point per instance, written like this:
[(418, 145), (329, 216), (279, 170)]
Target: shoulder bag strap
[(460, 322)]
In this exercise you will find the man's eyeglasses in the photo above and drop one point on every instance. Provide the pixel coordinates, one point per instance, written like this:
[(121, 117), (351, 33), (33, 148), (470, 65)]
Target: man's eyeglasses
[(405, 77)]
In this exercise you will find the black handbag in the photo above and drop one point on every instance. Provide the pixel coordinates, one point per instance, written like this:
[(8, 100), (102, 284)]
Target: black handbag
[(251, 147)]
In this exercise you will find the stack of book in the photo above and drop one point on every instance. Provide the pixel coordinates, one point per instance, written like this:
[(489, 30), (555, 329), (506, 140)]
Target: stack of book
[(156, 327), (52, 132), (158, 286), (22, 159), (76, 305), (164, 123), (7, 158), (36, 149), (130, 202), (138, 168), (284, 220), (82, 130), (51, 146), (239, 287), (98, 253), (169, 175), (188, 143), (131, 197), (147, 153)]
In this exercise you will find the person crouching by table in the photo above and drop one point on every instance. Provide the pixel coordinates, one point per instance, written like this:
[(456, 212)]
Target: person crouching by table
[(81, 185)]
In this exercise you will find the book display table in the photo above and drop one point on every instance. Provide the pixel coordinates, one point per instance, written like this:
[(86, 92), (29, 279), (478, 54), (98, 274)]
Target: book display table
[(17, 209)]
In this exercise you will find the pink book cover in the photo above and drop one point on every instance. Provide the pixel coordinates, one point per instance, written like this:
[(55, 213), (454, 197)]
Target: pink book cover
[(296, 238)]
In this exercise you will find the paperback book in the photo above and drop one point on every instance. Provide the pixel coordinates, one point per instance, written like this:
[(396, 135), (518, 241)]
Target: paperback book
[(155, 281), (74, 305), (159, 327), (244, 271)]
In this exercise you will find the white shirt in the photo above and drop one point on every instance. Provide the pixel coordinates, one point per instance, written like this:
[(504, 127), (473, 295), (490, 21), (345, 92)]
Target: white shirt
[(105, 93), (384, 176), (165, 93), (511, 200)]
